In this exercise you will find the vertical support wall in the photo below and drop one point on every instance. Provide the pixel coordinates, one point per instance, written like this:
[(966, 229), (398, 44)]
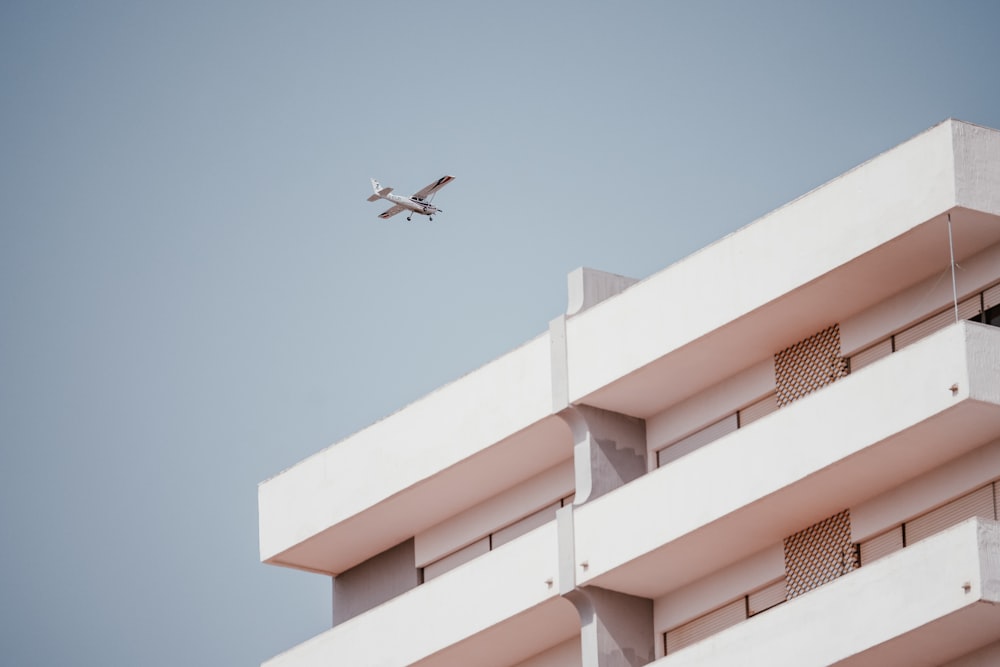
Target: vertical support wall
[(609, 450), (616, 629), (378, 579)]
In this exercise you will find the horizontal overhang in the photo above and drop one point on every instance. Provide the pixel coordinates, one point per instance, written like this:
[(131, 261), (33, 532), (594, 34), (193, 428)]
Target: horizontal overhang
[(830, 254), (923, 606), (417, 507), (450, 450), (496, 610), (862, 435)]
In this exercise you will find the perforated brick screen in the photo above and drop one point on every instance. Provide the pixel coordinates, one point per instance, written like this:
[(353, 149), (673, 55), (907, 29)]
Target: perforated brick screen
[(819, 554), (808, 365)]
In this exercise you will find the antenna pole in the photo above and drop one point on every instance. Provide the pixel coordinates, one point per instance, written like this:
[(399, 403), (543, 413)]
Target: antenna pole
[(954, 285)]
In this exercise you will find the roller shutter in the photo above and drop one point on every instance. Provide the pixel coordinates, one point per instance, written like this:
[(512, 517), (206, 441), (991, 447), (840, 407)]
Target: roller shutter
[(706, 626), (696, 440), (978, 503), (871, 354), (761, 408), (966, 309), (767, 597), (881, 545), (991, 297)]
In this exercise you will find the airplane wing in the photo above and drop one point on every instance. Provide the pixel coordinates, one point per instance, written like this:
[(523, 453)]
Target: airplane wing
[(433, 187), (390, 212)]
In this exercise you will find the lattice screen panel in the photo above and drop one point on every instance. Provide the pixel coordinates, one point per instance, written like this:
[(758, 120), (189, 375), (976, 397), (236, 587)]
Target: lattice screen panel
[(819, 554), (808, 365)]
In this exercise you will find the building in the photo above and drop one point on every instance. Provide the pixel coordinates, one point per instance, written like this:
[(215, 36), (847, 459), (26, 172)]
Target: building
[(783, 449)]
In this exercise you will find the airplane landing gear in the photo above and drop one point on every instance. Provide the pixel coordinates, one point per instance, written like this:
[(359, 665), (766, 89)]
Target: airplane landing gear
[(409, 218)]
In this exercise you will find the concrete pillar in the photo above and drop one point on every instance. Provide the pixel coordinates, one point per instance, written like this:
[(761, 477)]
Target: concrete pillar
[(609, 450), (586, 288), (616, 629)]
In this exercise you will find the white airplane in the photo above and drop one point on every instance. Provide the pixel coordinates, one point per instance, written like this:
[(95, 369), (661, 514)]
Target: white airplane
[(418, 202)]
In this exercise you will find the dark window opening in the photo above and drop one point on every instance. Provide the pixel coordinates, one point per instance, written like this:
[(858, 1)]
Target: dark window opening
[(992, 316)]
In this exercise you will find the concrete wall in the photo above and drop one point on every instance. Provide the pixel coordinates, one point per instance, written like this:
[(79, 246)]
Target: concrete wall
[(987, 656), (916, 496), (709, 405), (380, 578), (566, 654), (502, 509), (977, 175), (919, 301), (713, 591)]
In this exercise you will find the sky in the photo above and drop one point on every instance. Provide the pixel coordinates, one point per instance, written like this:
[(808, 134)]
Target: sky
[(195, 293)]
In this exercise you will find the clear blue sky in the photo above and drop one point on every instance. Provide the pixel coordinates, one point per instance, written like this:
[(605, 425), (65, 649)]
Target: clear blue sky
[(194, 293)]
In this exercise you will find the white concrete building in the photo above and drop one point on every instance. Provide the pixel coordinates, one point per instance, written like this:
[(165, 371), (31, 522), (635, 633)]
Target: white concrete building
[(781, 450)]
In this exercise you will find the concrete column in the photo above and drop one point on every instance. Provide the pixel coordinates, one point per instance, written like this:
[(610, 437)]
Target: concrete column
[(609, 450), (616, 629), (586, 288)]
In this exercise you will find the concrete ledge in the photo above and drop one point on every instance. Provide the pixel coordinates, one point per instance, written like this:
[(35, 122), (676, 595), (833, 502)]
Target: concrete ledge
[(850, 441), (449, 450), (925, 605), (503, 606)]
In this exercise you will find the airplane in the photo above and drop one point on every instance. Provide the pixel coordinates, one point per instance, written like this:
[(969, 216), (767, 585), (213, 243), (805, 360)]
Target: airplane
[(418, 202)]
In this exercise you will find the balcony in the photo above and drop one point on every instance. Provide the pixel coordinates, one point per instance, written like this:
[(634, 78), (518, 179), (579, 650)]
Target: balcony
[(925, 605), (897, 418), (496, 610), (448, 451), (834, 252)]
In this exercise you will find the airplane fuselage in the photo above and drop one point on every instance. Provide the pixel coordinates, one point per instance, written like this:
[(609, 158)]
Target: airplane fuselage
[(411, 204)]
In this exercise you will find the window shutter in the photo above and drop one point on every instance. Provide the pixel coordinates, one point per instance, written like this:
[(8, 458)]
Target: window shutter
[(761, 408), (881, 545), (978, 503), (767, 597), (706, 626), (871, 354), (522, 526), (696, 440), (966, 309), (453, 560), (991, 297)]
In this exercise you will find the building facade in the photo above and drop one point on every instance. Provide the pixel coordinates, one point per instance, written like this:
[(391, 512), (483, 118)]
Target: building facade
[(783, 449)]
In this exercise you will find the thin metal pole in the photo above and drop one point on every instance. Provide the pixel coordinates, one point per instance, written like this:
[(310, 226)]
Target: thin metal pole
[(954, 285)]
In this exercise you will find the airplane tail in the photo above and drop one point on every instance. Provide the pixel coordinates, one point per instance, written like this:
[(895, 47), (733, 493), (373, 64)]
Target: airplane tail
[(379, 191)]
